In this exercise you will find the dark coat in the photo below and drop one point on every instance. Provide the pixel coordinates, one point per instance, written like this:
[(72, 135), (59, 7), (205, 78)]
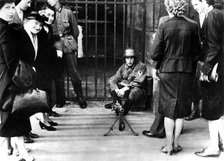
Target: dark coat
[(45, 61), (178, 55), (8, 58), (212, 35), (176, 47), (11, 51)]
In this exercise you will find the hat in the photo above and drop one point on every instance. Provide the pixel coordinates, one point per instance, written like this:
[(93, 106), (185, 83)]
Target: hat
[(129, 53), (36, 16)]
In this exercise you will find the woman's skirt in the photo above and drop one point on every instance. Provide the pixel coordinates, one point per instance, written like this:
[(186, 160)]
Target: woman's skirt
[(175, 94), (213, 99)]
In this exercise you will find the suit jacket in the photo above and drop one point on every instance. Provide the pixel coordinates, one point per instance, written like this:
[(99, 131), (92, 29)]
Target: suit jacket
[(156, 64), (212, 36), (177, 45), (8, 57)]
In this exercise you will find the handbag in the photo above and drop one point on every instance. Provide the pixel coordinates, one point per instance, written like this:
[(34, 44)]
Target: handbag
[(213, 76), (69, 44), (24, 75), (31, 102)]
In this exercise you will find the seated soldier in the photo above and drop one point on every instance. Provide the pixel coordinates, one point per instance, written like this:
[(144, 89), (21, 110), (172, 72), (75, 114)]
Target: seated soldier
[(128, 82)]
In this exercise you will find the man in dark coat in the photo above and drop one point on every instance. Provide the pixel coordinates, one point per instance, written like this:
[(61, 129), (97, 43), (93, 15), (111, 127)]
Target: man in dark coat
[(157, 129)]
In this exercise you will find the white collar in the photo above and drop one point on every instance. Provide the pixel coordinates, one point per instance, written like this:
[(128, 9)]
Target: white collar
[(209, 9)]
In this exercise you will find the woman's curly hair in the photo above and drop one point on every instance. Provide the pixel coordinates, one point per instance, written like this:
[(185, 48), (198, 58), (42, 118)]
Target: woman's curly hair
[(176, 7)]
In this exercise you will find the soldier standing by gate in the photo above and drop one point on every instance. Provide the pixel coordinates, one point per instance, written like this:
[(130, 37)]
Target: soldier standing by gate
[(65, 27)]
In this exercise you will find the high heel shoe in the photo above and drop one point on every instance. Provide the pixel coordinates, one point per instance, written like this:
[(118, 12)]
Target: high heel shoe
[(10, 151), (164, 149), (177, 149), (52, 123), (48, 128)]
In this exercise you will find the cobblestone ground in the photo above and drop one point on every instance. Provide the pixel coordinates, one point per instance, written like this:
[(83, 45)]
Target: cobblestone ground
[(79, 137)]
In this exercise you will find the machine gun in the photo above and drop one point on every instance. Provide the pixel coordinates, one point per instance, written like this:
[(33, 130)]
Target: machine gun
[(122, 120)]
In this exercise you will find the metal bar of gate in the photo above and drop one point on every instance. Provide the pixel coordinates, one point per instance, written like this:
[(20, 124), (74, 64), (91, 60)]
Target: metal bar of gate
[(105, 49), (96, 43), (124, 26), (86, 43), (131, 25), (143, 30), (115, 24)]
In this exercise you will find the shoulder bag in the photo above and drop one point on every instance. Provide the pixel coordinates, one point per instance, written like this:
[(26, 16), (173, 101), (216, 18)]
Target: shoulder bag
[(24, 75)]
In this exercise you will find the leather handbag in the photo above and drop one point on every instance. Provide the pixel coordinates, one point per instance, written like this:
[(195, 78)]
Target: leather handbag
[(31, 102), (69, 44), (24, 75)]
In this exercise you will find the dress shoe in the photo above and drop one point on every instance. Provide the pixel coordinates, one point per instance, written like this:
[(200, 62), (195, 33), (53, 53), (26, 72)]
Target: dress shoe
[(164, 149), (194, 115), (149, 134), (54, 114), (32, 135), (177, 149), (82, 102), (109, 105), (27, 139), (52, 123), (48, 128), (207, 153)]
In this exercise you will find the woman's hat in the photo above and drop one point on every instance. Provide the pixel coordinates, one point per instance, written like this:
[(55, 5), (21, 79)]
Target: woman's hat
[(36, 16)]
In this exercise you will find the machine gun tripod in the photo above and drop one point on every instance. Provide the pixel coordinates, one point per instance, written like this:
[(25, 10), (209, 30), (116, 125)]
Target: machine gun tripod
[(122, 120)]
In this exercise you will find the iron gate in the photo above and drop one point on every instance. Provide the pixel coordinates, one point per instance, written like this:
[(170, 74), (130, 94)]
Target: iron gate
[(108, 27)]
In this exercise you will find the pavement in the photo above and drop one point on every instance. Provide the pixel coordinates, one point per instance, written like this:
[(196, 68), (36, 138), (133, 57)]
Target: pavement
[(80, 137)]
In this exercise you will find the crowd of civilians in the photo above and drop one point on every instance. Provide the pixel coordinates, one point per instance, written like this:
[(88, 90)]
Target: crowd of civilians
[(36, 37)]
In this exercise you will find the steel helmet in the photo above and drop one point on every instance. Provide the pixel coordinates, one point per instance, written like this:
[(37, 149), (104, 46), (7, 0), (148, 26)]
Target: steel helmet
[(129, 53)]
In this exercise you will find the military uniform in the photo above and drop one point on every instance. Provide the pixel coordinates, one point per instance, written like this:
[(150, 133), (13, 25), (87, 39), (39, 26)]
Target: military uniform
[(65, 25), (134, 78)]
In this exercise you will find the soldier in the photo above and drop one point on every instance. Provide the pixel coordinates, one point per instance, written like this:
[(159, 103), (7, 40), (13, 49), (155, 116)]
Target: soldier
[(65, 27), (128, 82)]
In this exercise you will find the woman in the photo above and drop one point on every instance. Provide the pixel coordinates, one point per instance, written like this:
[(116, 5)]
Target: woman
[(212, 37), (9, 127), (176, 45), (45, 62)]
